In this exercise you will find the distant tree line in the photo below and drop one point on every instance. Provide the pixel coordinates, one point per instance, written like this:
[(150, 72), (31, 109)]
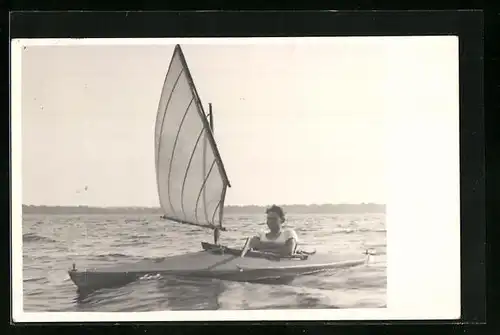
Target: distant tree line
[(36, 209), (247, 209), (304, 209)]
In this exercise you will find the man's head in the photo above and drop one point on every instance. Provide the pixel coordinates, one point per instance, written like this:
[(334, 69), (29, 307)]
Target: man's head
[(275, 218)]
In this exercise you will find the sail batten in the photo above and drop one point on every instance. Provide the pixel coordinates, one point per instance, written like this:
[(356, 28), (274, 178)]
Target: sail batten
[(186, 170)]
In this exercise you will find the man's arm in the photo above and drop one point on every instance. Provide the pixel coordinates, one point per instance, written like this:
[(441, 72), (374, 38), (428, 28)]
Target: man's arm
[(289, 247), (291, 242)]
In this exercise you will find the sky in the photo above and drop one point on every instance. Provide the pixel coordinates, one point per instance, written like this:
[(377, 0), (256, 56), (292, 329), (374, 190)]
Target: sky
[(295, 123)]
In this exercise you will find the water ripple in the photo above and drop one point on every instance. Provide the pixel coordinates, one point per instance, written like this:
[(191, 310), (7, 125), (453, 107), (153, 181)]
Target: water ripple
[(53, 243)]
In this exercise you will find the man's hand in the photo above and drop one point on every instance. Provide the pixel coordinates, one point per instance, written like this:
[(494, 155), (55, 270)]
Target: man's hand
[(254, 242)]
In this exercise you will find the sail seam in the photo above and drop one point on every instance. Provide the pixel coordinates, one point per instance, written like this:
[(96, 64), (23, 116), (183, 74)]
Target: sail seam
[(187, 171), (165, 113), (162, 114), (173, 153), (201, 189), (158, 155)]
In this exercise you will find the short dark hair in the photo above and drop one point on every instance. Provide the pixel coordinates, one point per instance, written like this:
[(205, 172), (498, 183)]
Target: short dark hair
[(278, 210)]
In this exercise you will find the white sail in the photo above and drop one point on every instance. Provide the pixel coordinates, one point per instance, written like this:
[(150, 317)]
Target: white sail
[(191, 178)]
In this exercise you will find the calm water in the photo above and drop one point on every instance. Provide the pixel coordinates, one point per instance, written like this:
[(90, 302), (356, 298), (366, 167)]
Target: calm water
[(52, 243)]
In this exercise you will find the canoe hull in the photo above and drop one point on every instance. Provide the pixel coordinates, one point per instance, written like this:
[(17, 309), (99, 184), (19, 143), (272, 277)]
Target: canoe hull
[(211, 263)]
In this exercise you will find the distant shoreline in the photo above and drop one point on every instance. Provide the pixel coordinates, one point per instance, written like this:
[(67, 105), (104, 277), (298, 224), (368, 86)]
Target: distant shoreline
[(232, 209)]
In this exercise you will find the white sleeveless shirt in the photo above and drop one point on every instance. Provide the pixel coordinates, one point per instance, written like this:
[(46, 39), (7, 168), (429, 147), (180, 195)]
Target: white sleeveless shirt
[(282, 237)]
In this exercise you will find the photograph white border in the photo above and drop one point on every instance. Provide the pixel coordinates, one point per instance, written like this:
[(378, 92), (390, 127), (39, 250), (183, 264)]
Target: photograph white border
[(422, 219)]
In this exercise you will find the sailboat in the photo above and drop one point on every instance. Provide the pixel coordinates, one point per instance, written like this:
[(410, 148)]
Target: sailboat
[(192, 184)]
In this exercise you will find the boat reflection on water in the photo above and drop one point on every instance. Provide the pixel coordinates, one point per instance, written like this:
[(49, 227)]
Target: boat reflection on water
[(163, 293), (191, 294), (168, 293)]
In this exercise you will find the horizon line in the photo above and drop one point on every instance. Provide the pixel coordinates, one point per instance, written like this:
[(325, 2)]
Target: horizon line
[(232, 205)]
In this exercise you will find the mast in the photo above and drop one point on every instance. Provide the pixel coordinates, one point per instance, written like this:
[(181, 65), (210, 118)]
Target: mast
[(210, 116), (216, 229), (211, 123)]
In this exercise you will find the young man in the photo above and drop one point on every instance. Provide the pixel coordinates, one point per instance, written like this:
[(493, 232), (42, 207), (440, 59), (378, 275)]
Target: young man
[(278, 240)]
